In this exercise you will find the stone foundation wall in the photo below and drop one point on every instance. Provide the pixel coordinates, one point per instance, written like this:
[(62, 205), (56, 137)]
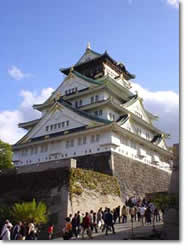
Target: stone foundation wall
[(100, 162), (92, 200), (136, 178)]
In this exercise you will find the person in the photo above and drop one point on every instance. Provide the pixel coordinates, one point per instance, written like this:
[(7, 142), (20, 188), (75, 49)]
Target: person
[(7, 222), (115, 216), (109, 222), (91, 220), (124, 214), (156, 215), (32, 232), (95, 222), (78, 223), (7, 232), (67, 230), (148, 215), (16, 231), (118, 214), (74, 225), (23, 231), (99, 219), (142, 213), (132, 212), (86, 226), (50, 231)]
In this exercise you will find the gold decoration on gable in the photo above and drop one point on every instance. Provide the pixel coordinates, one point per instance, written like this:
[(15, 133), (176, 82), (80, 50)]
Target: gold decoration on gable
[(58, 96)]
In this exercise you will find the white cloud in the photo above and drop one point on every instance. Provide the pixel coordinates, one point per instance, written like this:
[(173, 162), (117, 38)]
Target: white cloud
[(165, 104), (9, 119), (17, 74), (174, 3)]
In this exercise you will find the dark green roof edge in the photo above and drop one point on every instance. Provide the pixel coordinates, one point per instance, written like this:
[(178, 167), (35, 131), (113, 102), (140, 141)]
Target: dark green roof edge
[(83, 113), (86, 78), (133, 99), (122, 120)]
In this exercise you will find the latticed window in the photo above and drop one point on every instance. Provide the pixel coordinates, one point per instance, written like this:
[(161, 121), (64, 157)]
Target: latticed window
[(97, 137), (92, 138), (84, 140), (92, 99)]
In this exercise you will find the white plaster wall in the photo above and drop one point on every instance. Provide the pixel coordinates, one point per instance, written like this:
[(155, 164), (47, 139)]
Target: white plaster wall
[(136, 107), (124, 146)]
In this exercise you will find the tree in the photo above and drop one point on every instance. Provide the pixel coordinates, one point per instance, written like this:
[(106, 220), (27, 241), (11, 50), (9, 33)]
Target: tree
[(5, 155), (30, 211)]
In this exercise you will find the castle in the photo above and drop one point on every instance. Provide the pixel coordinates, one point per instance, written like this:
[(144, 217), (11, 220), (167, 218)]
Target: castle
[(92, 116)]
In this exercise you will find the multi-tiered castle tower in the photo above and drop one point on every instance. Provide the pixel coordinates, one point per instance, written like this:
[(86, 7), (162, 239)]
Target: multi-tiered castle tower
[(91, 115)]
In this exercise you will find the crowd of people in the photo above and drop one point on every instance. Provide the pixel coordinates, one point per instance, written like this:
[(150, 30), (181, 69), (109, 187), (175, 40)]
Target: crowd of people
[(80, 224), (20, 231), (135, 209)]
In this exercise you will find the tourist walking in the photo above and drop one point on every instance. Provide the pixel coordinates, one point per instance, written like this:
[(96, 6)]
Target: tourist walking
[(132, 212), (148, 215), (7, 222), (86, 226), (6, 233), (142, 213), (67, 230), (109, 222), (50, 231), (74, 225), (124, 214), (16, 231)]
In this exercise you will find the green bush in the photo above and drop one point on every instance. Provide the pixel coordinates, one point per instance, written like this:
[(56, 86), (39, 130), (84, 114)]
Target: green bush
[(30, 211)]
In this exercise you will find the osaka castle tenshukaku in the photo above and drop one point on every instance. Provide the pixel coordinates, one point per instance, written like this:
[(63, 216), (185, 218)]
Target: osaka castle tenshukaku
[(93, 112)]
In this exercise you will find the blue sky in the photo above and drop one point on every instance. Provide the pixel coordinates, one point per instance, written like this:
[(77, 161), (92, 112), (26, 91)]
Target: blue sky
[(39, 37)]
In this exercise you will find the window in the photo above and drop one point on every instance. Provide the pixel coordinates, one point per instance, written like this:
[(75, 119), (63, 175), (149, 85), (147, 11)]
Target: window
[(84, 140), (92, 99), (47, 128), (96, 98), (67, 123), (41, 148), (72, 143), (55, 125), (100, 112), (67, 144), (97, 138), (59, 125), (51, 127), (45, 147), (92, 138), (80, 103), (79, 141), (96, 112), (147, 136), (63, 124), (76, 104), (138, 131), (31, 151), (35, 150)]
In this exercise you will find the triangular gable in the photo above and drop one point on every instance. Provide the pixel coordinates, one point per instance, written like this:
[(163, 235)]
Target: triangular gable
[(73, 82), (60, 118), (162, 144), (138, 109), (88, 56)]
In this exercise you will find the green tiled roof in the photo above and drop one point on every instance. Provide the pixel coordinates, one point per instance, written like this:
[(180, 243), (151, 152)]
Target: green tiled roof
[(83, 113), (86, 78)]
